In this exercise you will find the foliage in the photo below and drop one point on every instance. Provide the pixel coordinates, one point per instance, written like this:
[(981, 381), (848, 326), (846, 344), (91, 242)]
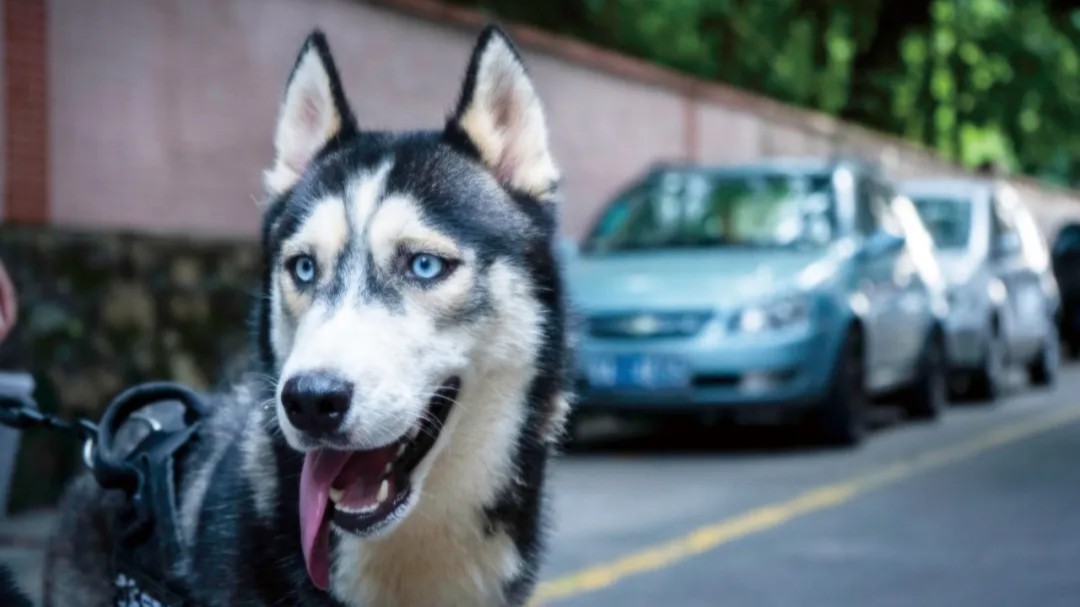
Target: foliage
[(982, 81)]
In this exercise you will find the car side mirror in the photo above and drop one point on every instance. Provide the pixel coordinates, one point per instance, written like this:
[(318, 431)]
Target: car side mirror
[(881, 243)]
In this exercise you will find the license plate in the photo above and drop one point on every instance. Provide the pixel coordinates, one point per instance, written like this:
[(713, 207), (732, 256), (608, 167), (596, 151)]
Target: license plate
[(638, 371)]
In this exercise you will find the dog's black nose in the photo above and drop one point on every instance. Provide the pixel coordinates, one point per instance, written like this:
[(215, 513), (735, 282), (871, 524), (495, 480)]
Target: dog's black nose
[(316, 402)]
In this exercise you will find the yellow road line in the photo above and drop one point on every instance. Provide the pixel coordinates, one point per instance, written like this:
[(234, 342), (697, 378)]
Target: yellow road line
[(771, 516)]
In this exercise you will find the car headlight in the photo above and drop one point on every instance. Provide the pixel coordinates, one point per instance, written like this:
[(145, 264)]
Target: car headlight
[(781, 313)]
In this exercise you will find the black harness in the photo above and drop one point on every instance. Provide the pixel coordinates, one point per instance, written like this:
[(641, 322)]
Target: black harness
[(150, 554)]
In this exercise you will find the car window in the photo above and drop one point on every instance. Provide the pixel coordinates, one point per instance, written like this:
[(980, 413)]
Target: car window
[(919, 241), (686, 209), (873, 209), (948, 219), (886, 216)]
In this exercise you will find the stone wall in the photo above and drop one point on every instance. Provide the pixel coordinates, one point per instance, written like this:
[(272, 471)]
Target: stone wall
[(99, 312)]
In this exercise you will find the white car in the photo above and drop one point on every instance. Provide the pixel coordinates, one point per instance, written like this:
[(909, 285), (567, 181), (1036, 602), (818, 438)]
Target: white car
[(1003, 300)]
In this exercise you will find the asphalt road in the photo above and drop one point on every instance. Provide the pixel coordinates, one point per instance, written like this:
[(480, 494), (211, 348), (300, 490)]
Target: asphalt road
[(981, 508)]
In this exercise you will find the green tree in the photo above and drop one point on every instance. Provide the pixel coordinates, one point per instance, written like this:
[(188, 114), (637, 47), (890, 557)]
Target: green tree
[(979, 80)]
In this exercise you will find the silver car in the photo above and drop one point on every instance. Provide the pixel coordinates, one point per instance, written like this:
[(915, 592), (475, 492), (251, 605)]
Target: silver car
[(1003, 300)]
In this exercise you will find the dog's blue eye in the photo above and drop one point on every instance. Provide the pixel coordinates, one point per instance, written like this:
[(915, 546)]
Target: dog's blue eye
[(426, 267), (303, 269)]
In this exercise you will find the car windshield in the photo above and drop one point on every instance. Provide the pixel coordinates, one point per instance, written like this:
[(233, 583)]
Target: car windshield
[(685, 209), (947, 219)]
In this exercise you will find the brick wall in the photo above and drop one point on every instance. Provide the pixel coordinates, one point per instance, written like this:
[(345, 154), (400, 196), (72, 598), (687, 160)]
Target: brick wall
[(156, 115), (26, 112)]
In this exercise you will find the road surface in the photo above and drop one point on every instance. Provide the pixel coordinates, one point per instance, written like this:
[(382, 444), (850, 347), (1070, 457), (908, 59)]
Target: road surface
[(981, 508)]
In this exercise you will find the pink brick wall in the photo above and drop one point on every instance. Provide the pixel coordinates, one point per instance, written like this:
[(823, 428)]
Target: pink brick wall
[(3, 112), (729, 136), (161, 111), (25, 112)]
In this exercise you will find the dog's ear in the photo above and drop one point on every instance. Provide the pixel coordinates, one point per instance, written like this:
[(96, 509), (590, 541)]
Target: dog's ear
[(314, 113), (499, 116)]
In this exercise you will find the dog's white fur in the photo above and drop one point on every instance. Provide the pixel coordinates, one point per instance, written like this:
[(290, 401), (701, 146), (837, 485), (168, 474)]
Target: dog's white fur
[(441, 547), (308, 120), (506, 123)]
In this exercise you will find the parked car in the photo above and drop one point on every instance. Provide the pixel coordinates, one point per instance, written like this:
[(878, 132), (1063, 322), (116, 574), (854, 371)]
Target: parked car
[(1003, 300), (1066, 264), (785, 289)]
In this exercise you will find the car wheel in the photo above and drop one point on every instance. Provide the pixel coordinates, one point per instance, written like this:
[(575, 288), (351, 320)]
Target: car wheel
[(986, 380), (1043, 370), (842, 415), (926, 399)]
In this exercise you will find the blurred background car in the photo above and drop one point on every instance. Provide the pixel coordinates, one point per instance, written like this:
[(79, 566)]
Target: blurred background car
[(777, 291), (1066, 264), (1003, 299)]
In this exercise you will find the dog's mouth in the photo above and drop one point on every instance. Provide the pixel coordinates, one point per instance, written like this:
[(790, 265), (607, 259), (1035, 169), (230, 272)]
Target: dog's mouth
[(364, 492)]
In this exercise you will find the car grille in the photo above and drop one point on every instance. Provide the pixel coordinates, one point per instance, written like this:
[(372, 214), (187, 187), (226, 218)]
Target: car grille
[(639, 325)]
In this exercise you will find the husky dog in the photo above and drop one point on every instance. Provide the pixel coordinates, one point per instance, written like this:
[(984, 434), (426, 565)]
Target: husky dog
[(411, 327)]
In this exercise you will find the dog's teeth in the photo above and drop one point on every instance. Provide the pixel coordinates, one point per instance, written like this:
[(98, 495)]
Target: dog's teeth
[(335, 494), (389, 467), (414, 432), (366, 509), (401, 449), (384, 491)]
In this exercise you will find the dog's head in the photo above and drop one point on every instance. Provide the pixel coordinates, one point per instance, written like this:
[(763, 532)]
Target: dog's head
[(401, 277)]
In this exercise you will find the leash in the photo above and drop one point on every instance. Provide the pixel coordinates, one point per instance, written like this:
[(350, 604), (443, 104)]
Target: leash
[(150, 549), (21, 413)]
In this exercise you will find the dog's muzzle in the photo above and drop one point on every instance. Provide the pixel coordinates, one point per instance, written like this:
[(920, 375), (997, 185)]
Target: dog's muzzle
[(362, 492)]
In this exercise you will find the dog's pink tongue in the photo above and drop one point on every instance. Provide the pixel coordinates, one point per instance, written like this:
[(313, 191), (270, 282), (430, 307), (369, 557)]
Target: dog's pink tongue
[(321, 467)]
